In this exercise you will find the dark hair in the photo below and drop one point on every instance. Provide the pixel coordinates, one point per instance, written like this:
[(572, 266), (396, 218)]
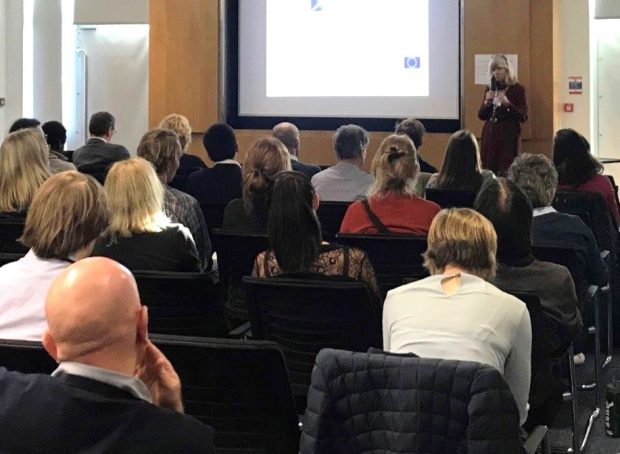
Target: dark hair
[(461, 163), (56, 135), (350, 141), (412, 128), (24, 123), (100, 123), (294, 230), (572, 158), (507, 207), (220, 142)]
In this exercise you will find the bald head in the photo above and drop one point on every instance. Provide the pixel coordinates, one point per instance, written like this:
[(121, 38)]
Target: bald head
[(93, 311), (288, 134)]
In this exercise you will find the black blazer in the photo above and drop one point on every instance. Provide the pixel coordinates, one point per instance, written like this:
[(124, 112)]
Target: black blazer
[(71, 414), (97, 154), (216, 185), (307, 169)]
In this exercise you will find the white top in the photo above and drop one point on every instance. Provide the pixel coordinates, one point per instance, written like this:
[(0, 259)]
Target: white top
[(23, 288), (477, 323), (342, 182)]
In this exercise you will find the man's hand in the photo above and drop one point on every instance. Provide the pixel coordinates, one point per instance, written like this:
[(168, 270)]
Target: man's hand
[(160, 378)]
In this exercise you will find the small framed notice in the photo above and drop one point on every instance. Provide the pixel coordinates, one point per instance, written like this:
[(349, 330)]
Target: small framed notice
[(575, 85)]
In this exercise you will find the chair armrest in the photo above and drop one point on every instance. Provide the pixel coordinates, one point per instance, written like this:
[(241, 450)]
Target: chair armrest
[(535, 439), (592, 293), (242, 331), (605, 255)]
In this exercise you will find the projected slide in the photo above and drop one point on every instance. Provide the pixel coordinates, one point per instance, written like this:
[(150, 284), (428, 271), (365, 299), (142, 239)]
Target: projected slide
[(347, 48)]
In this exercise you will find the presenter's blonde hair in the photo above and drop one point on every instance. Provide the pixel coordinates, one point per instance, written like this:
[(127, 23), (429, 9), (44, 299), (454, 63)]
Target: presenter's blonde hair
[(24, 166), (501, 61), (395, 166)]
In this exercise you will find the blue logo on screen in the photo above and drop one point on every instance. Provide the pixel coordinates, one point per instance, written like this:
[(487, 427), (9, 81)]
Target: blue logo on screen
[(412, 62), (316, 5)]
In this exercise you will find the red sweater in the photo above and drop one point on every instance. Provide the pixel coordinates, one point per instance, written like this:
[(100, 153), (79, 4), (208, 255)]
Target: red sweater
[(602, 185), (400, 213)]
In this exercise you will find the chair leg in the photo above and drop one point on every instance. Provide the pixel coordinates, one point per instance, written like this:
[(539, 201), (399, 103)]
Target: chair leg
[(573, 399), (610, 328)]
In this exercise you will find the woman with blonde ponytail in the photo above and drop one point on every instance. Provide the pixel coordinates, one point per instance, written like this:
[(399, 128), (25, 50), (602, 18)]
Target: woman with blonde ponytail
[(392, 205), (264, 160)]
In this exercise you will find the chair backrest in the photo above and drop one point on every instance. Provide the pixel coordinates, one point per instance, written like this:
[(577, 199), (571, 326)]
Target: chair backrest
[(8, 257), (451, 198), (235, 259), (10, 230), (25, 356), (377, 402), (565, 256), (306, 315), (181, 303), (330, 215), (214, 218), (393, 257)]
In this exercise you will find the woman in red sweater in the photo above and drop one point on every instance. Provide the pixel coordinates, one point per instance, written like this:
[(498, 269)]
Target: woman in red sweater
[(578, 170), (392, 205)]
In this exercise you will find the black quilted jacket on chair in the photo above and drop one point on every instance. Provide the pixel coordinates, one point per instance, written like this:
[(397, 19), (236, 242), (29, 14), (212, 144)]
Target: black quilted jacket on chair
[(371, 403)]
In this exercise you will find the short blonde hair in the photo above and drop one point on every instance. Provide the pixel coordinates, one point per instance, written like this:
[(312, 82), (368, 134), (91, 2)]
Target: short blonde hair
[(501, 61), (24, 166), (135, 197), (68, 212), (462, 237), (395, 166), (179, 124), (161, 147)]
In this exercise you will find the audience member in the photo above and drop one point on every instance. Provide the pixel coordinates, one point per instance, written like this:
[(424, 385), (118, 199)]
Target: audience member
[(345, 181), (415, 130), (56, 137), (393, 206), (293, 209), (265, 159), (461, 168), (536, 176), (24, 166), (57, 162), (454, 313), (509, 210), (161, 148), (140, 235), (288, 134), (113, 390), (67, 215), (98, 154), (180, 124), (578, 170), (221, 183)]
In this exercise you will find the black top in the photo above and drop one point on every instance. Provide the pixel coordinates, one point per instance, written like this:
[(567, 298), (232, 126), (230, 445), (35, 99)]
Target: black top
[(216, 185), (68, 413), (98, 155), (425, 166), (189, 163), (237, 220), (172, 249), (307, 169)]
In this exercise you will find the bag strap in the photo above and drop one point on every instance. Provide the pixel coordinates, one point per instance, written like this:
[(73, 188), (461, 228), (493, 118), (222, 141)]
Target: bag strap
[(375, 219)]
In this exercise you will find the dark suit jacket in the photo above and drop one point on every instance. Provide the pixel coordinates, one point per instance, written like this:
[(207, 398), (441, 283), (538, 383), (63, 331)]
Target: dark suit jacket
[(307, 169), (425, 166), (71, 414), (98, 155), (216, 185)]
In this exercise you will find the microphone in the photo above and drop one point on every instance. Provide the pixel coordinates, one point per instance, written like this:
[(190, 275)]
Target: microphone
[(496, 101)]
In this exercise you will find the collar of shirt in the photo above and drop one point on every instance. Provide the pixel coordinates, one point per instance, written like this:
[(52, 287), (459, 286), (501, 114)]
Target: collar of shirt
[(293, 157), (347, 168), (227, 161), (127, 383), (543, 210), (99, 138)]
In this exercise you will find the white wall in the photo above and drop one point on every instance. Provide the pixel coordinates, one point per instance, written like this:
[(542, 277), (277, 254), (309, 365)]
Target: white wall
[(47, 60), (2, 65), (14, 20)]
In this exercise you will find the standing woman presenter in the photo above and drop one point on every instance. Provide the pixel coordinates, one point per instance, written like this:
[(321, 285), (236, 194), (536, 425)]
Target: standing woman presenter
[(503, 110)]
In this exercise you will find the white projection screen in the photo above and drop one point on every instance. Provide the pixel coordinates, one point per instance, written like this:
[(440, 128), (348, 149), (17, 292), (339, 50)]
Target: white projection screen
[(322, 63)]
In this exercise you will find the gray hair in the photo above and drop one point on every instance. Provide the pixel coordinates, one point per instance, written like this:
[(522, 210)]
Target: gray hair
[(350, 141), (288, 134), (536, 176)]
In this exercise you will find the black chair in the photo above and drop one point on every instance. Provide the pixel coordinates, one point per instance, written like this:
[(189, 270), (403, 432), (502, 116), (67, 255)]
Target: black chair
[(181, 303), (306, 315), (11, 228), (25, 356), (330, 215), (98, 171), (8, 257), (235, 259), (214, 217), (451, 198), (393, 257), (377, 402)]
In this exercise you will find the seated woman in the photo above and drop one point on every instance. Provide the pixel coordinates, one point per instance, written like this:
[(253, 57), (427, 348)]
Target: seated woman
[(24, 166), (393, 206), (264, 160), (180, 124), (295, 238), (455, 313), (461, 168), (578, 170), (140, 235)]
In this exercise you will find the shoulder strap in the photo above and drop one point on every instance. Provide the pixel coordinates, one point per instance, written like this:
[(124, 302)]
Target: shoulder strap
[(375, 219)]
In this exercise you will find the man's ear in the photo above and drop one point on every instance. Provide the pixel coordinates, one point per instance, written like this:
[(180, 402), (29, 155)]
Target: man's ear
[(143, 325), (49, 344)]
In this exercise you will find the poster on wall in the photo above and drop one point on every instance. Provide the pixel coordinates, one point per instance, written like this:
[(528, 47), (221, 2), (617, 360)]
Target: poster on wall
[(575, 85)]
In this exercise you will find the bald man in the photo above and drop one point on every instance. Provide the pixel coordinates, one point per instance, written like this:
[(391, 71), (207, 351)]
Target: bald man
[(113, 390), (288, 134)]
